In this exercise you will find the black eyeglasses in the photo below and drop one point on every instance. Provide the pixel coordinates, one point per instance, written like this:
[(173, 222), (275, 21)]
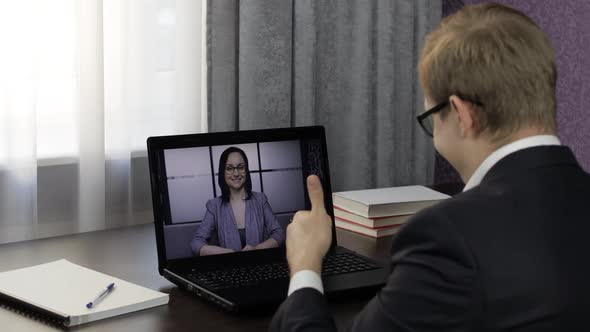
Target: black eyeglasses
[(229, 169), (425, 119)]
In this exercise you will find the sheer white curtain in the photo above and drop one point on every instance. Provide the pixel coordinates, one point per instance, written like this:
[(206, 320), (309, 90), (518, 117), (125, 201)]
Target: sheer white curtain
[(83, 83)]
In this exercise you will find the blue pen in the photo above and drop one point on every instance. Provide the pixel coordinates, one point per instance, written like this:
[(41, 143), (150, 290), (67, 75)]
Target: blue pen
[(101, 296)]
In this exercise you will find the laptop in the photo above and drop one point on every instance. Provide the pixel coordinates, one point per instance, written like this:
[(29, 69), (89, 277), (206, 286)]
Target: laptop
[(203, 236)]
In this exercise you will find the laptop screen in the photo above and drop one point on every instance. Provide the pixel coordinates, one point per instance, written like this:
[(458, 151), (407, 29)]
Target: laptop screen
[(233, 197)]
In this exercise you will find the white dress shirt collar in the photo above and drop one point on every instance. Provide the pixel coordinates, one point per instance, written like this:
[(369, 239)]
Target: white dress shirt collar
[(494, 157)]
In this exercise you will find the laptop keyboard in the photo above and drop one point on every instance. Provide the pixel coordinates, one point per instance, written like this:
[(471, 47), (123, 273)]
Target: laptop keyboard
[(252, 275)]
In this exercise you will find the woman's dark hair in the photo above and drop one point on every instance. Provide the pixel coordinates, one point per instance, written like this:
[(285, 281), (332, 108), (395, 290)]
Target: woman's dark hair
[(221, 175)]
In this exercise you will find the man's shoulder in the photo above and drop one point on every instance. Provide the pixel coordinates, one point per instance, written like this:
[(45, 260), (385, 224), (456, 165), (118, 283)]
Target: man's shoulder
[(467, 212), (496, 206), (467, 202)]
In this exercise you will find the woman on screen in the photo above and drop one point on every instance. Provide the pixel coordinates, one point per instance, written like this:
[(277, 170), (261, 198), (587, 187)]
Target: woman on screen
[(241, 218)]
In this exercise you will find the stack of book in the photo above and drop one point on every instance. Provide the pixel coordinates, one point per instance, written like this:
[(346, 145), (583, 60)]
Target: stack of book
[(381, 212)]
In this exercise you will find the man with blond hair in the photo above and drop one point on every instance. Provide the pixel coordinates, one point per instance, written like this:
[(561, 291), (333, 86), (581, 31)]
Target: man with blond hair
[(509, 252)]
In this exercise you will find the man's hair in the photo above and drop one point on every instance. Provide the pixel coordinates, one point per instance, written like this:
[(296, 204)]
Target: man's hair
[(495, 56), (221, 174)]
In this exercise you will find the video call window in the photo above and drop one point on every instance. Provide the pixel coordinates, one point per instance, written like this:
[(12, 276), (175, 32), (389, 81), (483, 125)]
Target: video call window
[(275, 169), (192, 177)]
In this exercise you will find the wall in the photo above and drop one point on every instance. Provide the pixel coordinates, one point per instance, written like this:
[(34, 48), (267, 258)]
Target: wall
[(567, 23)]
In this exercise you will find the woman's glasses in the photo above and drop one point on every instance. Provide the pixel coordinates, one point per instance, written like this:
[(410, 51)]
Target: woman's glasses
[(229, 169)]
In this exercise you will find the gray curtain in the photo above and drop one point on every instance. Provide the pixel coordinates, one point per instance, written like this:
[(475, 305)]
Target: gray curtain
[(347, 65)]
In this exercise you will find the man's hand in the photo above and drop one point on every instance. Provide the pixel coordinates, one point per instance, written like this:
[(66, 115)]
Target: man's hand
[(310, 233)]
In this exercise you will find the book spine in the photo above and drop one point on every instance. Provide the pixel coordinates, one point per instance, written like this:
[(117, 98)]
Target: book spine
[(365, 226), (32, 311), (358, 231), (374, 233), (375, 218)]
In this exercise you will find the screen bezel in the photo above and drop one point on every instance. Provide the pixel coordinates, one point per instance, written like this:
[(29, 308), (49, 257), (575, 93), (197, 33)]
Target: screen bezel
[(157, 144)]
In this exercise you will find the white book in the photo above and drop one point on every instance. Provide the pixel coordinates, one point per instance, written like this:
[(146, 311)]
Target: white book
[(377, 222), (59, 291), (378, 232), (386, 202)]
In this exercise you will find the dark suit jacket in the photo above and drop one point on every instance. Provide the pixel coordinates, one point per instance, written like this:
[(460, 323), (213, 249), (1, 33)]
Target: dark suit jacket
[(512, 254)]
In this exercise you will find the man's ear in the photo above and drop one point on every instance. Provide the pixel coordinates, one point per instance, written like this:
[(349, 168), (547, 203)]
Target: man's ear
[(466, 117)]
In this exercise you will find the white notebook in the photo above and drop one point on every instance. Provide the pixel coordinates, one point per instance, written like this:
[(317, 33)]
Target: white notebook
[(59, 291)]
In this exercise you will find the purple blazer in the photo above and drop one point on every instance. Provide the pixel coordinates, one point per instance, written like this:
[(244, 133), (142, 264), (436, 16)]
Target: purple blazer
[(261, 224)]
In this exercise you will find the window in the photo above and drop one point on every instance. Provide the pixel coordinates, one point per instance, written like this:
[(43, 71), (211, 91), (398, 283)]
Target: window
[(126, 69)]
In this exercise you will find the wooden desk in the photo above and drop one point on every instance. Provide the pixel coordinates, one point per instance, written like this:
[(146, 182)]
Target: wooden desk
[(130, 254)]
